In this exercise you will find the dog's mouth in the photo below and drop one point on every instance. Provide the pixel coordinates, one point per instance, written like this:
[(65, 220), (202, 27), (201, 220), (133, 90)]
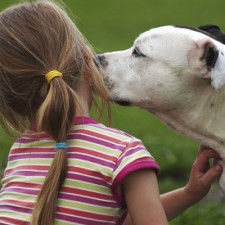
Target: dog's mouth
[(123, 102)]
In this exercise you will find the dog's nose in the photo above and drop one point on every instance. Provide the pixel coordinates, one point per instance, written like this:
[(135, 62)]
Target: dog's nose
[(101, 59)]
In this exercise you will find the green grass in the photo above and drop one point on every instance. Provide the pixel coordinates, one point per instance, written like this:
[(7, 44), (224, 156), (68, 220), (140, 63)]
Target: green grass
[(113, 25), (202, 214)]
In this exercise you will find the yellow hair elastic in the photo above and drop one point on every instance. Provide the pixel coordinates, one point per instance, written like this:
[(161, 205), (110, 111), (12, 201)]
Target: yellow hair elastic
[(52, 74)]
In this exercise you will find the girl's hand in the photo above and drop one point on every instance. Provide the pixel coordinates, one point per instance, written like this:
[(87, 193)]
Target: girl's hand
[(202, 175)]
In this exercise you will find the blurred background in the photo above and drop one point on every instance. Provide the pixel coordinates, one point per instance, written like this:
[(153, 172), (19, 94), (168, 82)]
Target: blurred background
[(114, 25)]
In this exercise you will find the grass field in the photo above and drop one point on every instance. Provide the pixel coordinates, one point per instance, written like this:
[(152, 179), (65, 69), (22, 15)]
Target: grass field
[(113, 25)]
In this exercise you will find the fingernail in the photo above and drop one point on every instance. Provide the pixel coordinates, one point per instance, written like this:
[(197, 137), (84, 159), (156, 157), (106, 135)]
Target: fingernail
[(218, 168)]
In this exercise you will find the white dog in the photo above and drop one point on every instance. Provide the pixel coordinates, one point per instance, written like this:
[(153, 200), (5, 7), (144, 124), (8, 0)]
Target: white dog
[(178, 74)]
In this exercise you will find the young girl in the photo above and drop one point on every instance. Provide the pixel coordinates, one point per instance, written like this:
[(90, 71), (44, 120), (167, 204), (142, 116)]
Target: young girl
[(66, 168)]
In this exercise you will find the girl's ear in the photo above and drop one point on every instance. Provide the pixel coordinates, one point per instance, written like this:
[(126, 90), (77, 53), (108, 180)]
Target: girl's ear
[(88, 77)]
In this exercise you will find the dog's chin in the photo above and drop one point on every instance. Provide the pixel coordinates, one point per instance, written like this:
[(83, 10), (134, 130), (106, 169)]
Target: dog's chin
[(123, 102)]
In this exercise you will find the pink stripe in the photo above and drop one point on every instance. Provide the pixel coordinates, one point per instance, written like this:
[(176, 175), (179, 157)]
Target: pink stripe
[(16, 209), (91, 152), (114, 146), (74, 219), (83, 120), (32, 150), (83, 199), (92, 160), (86, 179), (18, 203), (21, 191), (12, 221), (90, 215), (49, 155), (25, 168), (91, 172), (89, 193), (30, 173)]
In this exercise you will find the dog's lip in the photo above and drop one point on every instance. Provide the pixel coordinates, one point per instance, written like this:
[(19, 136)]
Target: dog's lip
[(123, 102)]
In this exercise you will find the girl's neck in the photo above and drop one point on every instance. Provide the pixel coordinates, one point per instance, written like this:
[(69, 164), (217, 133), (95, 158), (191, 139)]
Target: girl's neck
[(85, 98)]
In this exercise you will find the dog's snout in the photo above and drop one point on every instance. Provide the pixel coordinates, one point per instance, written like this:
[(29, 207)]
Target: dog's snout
[(102, 61)]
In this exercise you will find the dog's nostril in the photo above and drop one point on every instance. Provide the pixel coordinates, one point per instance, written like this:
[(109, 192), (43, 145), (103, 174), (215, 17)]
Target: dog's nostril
[(101, 60)]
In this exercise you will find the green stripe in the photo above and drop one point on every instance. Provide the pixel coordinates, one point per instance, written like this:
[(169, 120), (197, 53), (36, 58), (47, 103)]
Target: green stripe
[(17, 216), (28, 162), (18, 197), (95, 147), (87, 186), (22, 179)]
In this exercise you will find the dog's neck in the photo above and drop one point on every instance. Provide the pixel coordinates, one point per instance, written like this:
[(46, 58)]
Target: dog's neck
[(201, 124)]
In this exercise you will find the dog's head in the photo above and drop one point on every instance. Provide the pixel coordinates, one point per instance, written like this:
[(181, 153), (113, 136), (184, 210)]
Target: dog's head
[(161, 61)]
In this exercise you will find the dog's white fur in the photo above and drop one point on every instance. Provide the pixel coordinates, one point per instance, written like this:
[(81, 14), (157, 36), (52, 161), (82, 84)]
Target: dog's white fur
[(166, 73)]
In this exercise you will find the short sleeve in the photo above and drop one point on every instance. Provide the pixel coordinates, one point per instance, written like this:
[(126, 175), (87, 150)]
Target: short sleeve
[(134, 157)]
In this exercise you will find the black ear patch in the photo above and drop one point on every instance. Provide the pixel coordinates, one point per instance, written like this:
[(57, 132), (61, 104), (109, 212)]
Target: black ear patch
[(210, 55), (215, 31)]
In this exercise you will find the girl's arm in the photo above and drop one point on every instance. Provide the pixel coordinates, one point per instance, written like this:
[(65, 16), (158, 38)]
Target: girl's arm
[(145, 206), (143, 200)]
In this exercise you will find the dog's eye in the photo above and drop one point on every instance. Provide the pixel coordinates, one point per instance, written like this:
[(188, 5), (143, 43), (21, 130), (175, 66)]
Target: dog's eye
[(136, 53)]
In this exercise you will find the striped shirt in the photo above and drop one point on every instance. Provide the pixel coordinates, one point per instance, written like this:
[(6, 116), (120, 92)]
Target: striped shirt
[(99, 158)]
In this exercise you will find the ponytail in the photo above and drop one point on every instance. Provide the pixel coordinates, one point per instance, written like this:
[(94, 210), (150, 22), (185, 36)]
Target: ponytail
[(45, 207), (55, 116)]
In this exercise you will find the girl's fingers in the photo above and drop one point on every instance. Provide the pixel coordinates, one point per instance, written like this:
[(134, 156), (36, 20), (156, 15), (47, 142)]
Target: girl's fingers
[(203, 148), (212, 174), (203, 159)]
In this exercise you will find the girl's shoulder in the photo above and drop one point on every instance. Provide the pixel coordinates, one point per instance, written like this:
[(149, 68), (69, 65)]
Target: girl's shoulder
[(88, 125)]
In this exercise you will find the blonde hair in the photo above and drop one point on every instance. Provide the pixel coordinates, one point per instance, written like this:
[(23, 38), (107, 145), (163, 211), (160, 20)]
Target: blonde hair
[(36, 38)]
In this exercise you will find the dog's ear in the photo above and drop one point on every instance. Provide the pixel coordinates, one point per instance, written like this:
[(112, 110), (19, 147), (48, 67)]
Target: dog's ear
[(215, 31), (203, 57)]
